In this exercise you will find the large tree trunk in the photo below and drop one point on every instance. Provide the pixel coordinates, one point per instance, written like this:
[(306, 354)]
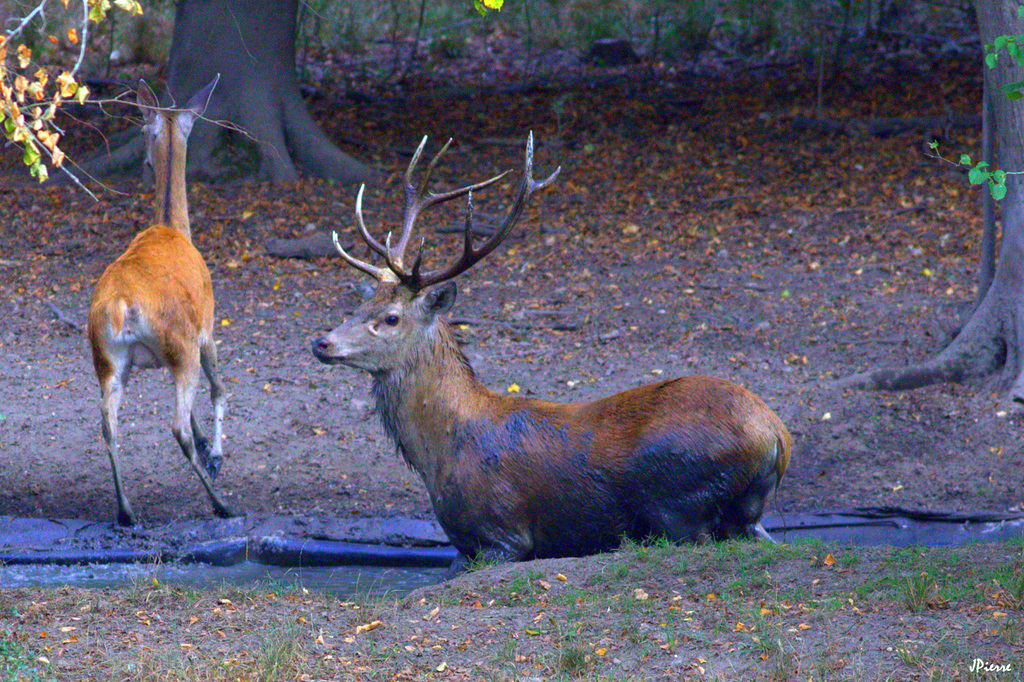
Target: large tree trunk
[(251, 43), (993, 339)]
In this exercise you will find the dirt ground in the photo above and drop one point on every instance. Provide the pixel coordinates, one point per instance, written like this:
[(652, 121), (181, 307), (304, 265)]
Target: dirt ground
[(694, 230)]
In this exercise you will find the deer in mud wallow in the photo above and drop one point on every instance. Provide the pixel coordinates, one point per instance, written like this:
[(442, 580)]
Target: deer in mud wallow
[(153, 306), (512, 478)]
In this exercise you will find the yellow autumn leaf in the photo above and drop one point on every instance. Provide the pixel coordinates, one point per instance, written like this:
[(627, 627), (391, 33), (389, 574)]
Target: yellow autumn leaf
[(482, 6), (73, 35), (246, 215), (130, 6), (601, 651), (927, 272), (277, 285), (225, 322), (48, 138), (66, 84), (24, 56), (513, 388), (829, 559), (368, 626)]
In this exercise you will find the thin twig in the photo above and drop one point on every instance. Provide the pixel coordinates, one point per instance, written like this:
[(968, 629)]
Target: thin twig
[(63, 317)]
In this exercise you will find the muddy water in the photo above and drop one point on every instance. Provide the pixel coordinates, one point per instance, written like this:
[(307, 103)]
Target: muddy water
[(342, 581), (354, 557)]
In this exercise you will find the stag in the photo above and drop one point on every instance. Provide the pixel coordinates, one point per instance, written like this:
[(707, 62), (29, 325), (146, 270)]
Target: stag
[(512, 478)]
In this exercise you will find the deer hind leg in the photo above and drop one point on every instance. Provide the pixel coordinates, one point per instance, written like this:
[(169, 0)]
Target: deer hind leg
[(186, 381), (113, 372), (212, 455)]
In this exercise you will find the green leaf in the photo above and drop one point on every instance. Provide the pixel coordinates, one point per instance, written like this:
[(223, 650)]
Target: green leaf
[(31, 156), (991, 59), (1000, 42), (965, 160), (1014, 96), (977, 176), (1020, 11), (998, 191), (934, 145)]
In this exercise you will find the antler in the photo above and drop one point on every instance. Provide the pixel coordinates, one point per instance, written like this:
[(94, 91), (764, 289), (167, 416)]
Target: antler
[(418, 198)]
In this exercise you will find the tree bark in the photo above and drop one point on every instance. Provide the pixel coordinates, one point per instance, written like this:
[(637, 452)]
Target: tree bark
[(991, 341), (251, 43)]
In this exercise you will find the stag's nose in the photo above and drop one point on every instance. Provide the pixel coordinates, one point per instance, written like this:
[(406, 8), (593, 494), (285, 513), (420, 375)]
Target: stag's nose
[(322, 348)]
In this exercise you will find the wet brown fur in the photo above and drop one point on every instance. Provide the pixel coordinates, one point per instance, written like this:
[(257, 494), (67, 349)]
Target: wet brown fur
[(518, 478)]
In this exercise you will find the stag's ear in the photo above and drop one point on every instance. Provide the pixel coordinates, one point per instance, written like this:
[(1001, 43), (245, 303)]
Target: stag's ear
[(438, 300), (147, 102)]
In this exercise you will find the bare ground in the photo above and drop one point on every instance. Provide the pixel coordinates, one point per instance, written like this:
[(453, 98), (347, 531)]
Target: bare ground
[(693, 231)]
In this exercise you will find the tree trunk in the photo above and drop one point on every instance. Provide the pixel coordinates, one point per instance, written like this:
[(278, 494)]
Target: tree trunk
[(992, 339), (251, 43)]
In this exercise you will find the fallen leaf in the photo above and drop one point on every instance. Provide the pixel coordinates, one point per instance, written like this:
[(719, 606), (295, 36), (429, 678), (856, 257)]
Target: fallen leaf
[(368, 626)]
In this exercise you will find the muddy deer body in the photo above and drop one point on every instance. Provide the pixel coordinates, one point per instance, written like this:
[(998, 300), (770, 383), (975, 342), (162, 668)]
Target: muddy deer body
[(153, 306), (514, 478)]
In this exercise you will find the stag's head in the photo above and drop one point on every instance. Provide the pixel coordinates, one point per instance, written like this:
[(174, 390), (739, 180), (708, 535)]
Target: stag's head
[(400, 318)]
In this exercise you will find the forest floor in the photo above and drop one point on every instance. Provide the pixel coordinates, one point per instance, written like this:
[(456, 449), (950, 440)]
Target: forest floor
[(698, 227)]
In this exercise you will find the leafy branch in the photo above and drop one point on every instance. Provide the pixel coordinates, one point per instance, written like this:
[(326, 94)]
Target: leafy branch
[(981, 173), (31, 94)]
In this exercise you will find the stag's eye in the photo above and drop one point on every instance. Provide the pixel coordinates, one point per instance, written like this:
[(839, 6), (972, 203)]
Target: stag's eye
[(391, 320)]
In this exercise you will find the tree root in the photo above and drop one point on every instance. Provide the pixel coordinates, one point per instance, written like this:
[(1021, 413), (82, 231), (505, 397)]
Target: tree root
[(981, 349)]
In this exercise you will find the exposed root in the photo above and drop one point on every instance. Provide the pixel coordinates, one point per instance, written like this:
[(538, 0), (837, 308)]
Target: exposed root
[(979, 350)]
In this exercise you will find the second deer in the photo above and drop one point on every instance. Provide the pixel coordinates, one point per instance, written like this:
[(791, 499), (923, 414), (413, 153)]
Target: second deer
[(153, 306), (513, 478)]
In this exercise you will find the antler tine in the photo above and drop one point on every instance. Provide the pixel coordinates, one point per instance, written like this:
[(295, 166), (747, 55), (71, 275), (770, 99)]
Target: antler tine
[(380, 274), (410, 278), (413, 201), (419, 198), (373, 243), (471, 256)]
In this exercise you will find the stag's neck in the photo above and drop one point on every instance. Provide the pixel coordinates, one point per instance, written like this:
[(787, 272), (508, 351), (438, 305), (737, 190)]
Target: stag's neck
[(171, 196), (422, 404)]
